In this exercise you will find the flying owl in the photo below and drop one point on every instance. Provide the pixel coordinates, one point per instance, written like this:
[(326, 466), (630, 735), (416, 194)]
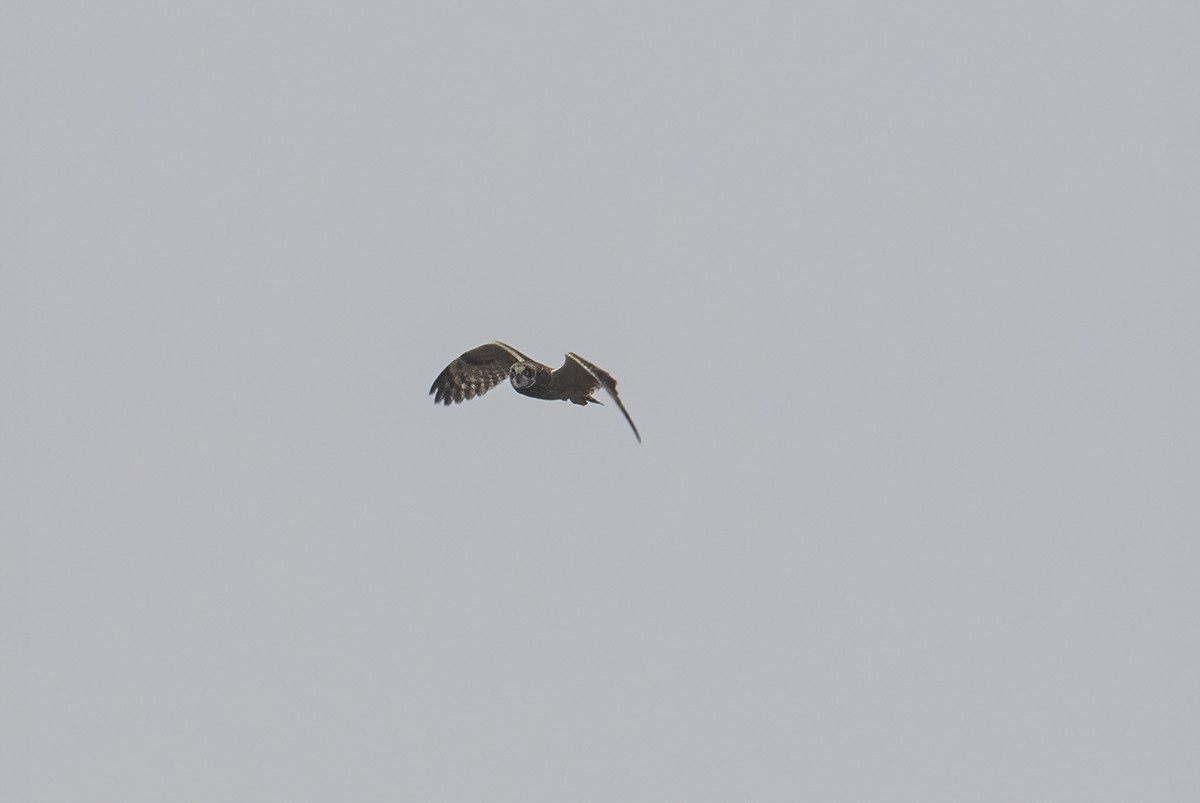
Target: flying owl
[(481, 369)]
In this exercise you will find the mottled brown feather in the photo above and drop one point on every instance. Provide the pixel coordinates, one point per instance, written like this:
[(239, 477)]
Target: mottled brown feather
[(598, 378), (474, 373)]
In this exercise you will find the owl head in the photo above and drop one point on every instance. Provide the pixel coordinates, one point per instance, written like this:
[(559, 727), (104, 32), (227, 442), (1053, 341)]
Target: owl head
[(522, 374)]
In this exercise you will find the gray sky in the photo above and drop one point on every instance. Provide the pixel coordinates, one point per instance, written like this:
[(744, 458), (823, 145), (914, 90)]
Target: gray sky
[(898, 295)]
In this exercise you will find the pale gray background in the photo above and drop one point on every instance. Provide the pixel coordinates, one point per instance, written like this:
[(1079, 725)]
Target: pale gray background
[(899, 294)]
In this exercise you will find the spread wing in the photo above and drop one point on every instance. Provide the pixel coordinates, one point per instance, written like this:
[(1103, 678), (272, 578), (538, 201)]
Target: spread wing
[(475, 372), (579, 374)]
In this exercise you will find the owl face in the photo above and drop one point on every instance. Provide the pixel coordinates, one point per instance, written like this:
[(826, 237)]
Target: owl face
[(523, 375)]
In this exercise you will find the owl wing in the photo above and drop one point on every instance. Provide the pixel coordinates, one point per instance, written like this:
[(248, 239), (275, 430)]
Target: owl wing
[(579, 374), (475, 372)]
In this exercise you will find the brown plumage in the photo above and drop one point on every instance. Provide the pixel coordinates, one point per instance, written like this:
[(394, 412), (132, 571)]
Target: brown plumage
[(479, 370)]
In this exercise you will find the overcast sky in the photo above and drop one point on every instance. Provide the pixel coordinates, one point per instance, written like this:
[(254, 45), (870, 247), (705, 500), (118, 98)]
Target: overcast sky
[(900, 295)]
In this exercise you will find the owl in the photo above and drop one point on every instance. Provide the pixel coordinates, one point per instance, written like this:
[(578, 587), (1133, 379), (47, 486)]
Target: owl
[(479, 370)]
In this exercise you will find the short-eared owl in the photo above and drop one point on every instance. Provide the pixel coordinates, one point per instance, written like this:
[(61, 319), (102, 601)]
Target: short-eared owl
[(481, 369)]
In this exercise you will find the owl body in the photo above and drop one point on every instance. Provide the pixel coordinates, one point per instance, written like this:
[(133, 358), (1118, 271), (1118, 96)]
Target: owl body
[(539, 381)]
